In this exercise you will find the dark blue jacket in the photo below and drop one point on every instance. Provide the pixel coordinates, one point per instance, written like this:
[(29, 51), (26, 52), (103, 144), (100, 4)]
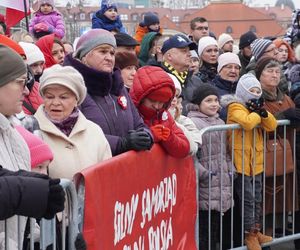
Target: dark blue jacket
[(99, 21), (224, 87)]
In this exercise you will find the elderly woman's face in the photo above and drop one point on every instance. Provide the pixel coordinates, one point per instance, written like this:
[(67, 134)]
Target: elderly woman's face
[(59, 102), (270, 77), (101, 58), (12, 96)]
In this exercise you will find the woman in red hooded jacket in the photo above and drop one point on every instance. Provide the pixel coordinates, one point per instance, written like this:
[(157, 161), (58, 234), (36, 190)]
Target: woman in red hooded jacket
[(152, 93)]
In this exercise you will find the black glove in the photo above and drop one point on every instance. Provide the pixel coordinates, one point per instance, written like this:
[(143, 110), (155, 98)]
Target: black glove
[(262, 112), (80, 243), (254, 104), (56, 199), (292, 114), (137, 140)]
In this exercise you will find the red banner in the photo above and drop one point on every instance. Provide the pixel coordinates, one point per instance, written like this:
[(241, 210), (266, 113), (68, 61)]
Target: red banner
[(144, 200)]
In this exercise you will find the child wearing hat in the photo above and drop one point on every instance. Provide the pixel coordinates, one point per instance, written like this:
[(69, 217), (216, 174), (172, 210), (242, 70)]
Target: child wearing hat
[(246, 109), (40, 153), (214, 165), (107, 18), (47, 21), (150, 23), (152, 93)]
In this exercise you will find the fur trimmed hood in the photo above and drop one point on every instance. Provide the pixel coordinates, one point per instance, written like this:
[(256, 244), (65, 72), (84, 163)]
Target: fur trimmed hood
[(228, 99)]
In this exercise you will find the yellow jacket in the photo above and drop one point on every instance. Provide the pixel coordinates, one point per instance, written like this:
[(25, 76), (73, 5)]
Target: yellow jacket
[(253, 156)]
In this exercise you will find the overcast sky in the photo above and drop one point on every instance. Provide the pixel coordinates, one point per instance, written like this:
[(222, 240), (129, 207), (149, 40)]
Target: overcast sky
[(272, 2)]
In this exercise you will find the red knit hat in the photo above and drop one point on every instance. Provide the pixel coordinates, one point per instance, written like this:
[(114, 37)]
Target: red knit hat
[(163, 94), (39, 150), (13, 45)]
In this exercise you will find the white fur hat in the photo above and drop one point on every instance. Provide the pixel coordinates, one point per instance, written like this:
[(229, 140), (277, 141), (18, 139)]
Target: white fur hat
[(224, 38), (66, 76), (32, 52), (204, 42)]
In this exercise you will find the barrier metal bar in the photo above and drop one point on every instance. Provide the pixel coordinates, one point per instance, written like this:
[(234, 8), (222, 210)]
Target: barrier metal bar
[(284, 238)]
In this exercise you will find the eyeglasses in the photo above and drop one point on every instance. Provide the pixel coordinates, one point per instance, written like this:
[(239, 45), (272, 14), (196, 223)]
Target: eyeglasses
[(22, 82), (201, 28)]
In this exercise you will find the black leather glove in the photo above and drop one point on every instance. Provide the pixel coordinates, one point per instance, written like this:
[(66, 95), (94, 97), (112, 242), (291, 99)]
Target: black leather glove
[(262, 112), (137, 140), (80, 243), (254, 104), (56, 199)]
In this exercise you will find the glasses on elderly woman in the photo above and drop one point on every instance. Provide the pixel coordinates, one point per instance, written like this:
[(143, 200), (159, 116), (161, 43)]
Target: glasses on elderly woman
[(274, 50)]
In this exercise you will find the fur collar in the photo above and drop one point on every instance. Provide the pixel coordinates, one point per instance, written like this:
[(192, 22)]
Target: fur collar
[(228, 99)]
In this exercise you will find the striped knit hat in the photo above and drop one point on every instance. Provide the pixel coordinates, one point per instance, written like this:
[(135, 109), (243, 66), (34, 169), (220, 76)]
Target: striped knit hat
[(258, 47)]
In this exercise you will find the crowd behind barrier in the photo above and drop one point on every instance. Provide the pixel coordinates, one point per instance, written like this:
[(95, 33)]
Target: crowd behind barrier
[(147, 200)]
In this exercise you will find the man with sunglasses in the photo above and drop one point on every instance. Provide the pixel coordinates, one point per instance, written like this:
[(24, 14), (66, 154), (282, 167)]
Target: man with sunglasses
[(199, 29)]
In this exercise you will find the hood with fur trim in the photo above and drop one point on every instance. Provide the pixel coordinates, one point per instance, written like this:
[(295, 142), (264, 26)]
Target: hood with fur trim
[(228, 99)]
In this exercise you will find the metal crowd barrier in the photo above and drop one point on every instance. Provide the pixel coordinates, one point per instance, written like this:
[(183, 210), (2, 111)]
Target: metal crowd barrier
[(275, 217), (48, 229)]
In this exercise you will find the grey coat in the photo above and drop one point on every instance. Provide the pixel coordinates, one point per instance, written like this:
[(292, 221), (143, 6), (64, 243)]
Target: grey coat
[(221, 166)]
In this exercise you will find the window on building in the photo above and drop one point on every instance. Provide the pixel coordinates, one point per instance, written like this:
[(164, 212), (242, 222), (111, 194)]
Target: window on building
[(91, 15), (175, 19), (124, 17), (253, 28), (229, 30)]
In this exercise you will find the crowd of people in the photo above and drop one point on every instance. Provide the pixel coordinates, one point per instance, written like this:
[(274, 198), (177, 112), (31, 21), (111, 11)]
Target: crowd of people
[(65, 106)]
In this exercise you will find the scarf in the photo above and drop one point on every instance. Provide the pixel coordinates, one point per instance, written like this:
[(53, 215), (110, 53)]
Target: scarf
[(66, 126), (181, 76), (268, 96)]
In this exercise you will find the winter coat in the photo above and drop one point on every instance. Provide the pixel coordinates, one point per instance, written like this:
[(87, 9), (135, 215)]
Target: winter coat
[(14, 156), (140, 32), (100, 21), (207, 72), (85, 146), (224, 87), (190, 84), (244, 63), (238, 113), (276, 105), (218, 163), (102, 104), (54, 20), (19, 192), (293, 33), (177, 144), (145, 47), (33, 99)]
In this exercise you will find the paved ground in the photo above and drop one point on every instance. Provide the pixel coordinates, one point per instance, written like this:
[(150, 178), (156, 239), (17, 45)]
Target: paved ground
[(285, 246)]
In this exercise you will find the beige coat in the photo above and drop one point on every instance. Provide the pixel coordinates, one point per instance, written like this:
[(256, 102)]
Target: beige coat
[(85, 146)]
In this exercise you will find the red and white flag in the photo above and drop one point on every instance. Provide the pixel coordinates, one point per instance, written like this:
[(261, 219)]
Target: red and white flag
[(15, 10)]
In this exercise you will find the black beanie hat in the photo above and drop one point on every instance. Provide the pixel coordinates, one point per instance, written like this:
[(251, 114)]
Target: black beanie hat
[(204, 90), (246, 39)]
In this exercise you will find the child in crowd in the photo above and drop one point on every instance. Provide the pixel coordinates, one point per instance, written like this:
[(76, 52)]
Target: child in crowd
[(149, 24), (246, 109), (215, 166), (47, 21), (195, 62), (152, 93), (107, 18)]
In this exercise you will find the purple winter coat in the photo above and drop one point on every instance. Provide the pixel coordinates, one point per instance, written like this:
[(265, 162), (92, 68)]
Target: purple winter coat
[(101, 104), (218, 160), (54, 21)]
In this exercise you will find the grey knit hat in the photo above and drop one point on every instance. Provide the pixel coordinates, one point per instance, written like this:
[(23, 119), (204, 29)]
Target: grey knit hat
[(92, 39), (259, 46), (66, 76), (11, 64), (246, 82)]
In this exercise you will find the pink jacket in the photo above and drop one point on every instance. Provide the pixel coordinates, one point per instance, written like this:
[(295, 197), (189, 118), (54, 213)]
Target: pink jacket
[(54, 21)]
